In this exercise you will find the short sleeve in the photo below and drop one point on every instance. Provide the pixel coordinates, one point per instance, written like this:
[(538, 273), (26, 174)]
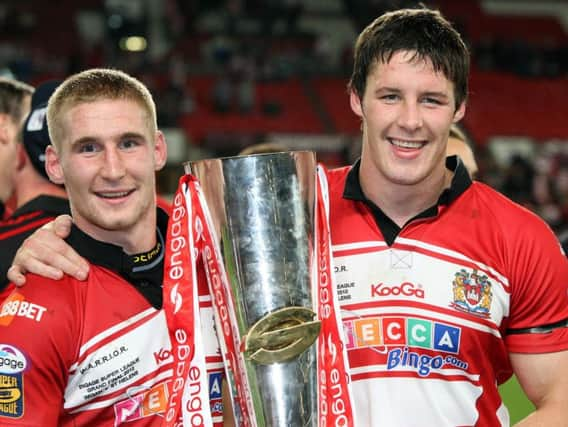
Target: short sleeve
[(37, 334)]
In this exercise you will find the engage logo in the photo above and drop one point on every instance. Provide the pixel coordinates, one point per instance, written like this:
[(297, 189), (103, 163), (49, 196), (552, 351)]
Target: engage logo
[(12, 360)]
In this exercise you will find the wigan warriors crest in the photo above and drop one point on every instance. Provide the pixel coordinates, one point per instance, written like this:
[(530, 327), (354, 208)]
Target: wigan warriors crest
[(472, 293)]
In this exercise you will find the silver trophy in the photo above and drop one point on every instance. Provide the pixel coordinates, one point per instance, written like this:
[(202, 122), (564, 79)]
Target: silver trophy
[(262, 209)]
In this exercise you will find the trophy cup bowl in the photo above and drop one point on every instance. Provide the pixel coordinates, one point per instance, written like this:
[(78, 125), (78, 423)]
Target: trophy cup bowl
[(262, 210)]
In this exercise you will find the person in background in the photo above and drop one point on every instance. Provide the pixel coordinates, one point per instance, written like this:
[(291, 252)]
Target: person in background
[(38, 200), (14, 107), (459, 145), (447, 287)]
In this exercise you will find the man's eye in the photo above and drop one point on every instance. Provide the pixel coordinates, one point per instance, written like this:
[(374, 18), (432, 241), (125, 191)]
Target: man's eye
[(128, 143), (434, 101), (88, 148), (389, 97)]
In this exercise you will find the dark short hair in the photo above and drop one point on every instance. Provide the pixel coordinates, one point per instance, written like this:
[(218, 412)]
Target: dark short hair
[(12, 95), (422, 31)]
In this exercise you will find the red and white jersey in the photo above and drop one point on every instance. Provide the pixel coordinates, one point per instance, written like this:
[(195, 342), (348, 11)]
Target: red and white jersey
[(84, 353), (97, 352), (431, 317)]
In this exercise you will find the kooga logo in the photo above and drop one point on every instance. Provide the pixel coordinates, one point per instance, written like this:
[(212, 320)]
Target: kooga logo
[(406, 289)]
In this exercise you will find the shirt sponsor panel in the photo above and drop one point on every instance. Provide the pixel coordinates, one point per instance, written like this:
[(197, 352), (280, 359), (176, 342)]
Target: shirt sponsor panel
[(119, 363), (141, 405), (402, 331), (16, 306), (428, 279), (357, 283), (155, 401), (402, 338), (13, 363)]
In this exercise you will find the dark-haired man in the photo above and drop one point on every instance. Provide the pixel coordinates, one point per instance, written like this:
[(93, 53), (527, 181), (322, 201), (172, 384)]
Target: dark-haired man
[(447, 286)]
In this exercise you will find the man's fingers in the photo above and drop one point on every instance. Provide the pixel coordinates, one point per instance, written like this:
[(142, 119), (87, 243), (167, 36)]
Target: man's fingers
[(62, 225), (47, 254), (65, 259), (56, 255), (16, 275), (56, 259)]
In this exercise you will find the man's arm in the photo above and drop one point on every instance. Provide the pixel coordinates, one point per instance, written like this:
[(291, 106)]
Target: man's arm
[(544, 378), (39, 337), (46, 253)]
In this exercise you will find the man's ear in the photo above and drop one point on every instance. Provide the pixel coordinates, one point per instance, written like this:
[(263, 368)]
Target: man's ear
[(460, 112), (53, 166), (356, 103), (160, 151), (4, 129)]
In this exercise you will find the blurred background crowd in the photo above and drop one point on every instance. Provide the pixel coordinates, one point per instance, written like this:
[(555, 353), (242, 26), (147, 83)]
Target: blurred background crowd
[(230, 73)]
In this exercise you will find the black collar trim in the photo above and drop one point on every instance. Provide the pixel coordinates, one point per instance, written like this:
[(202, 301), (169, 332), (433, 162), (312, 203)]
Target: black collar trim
[(144, 271), (460, 183)]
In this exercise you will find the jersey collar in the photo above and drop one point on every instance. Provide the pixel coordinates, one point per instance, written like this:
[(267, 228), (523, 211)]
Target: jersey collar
[(460, 183), (144, 271)]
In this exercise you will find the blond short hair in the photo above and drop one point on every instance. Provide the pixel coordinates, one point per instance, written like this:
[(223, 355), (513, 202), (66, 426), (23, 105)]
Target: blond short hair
[(94, 85)]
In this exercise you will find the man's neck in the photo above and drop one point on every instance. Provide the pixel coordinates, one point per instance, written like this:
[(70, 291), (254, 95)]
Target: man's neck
[(402, 202)]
